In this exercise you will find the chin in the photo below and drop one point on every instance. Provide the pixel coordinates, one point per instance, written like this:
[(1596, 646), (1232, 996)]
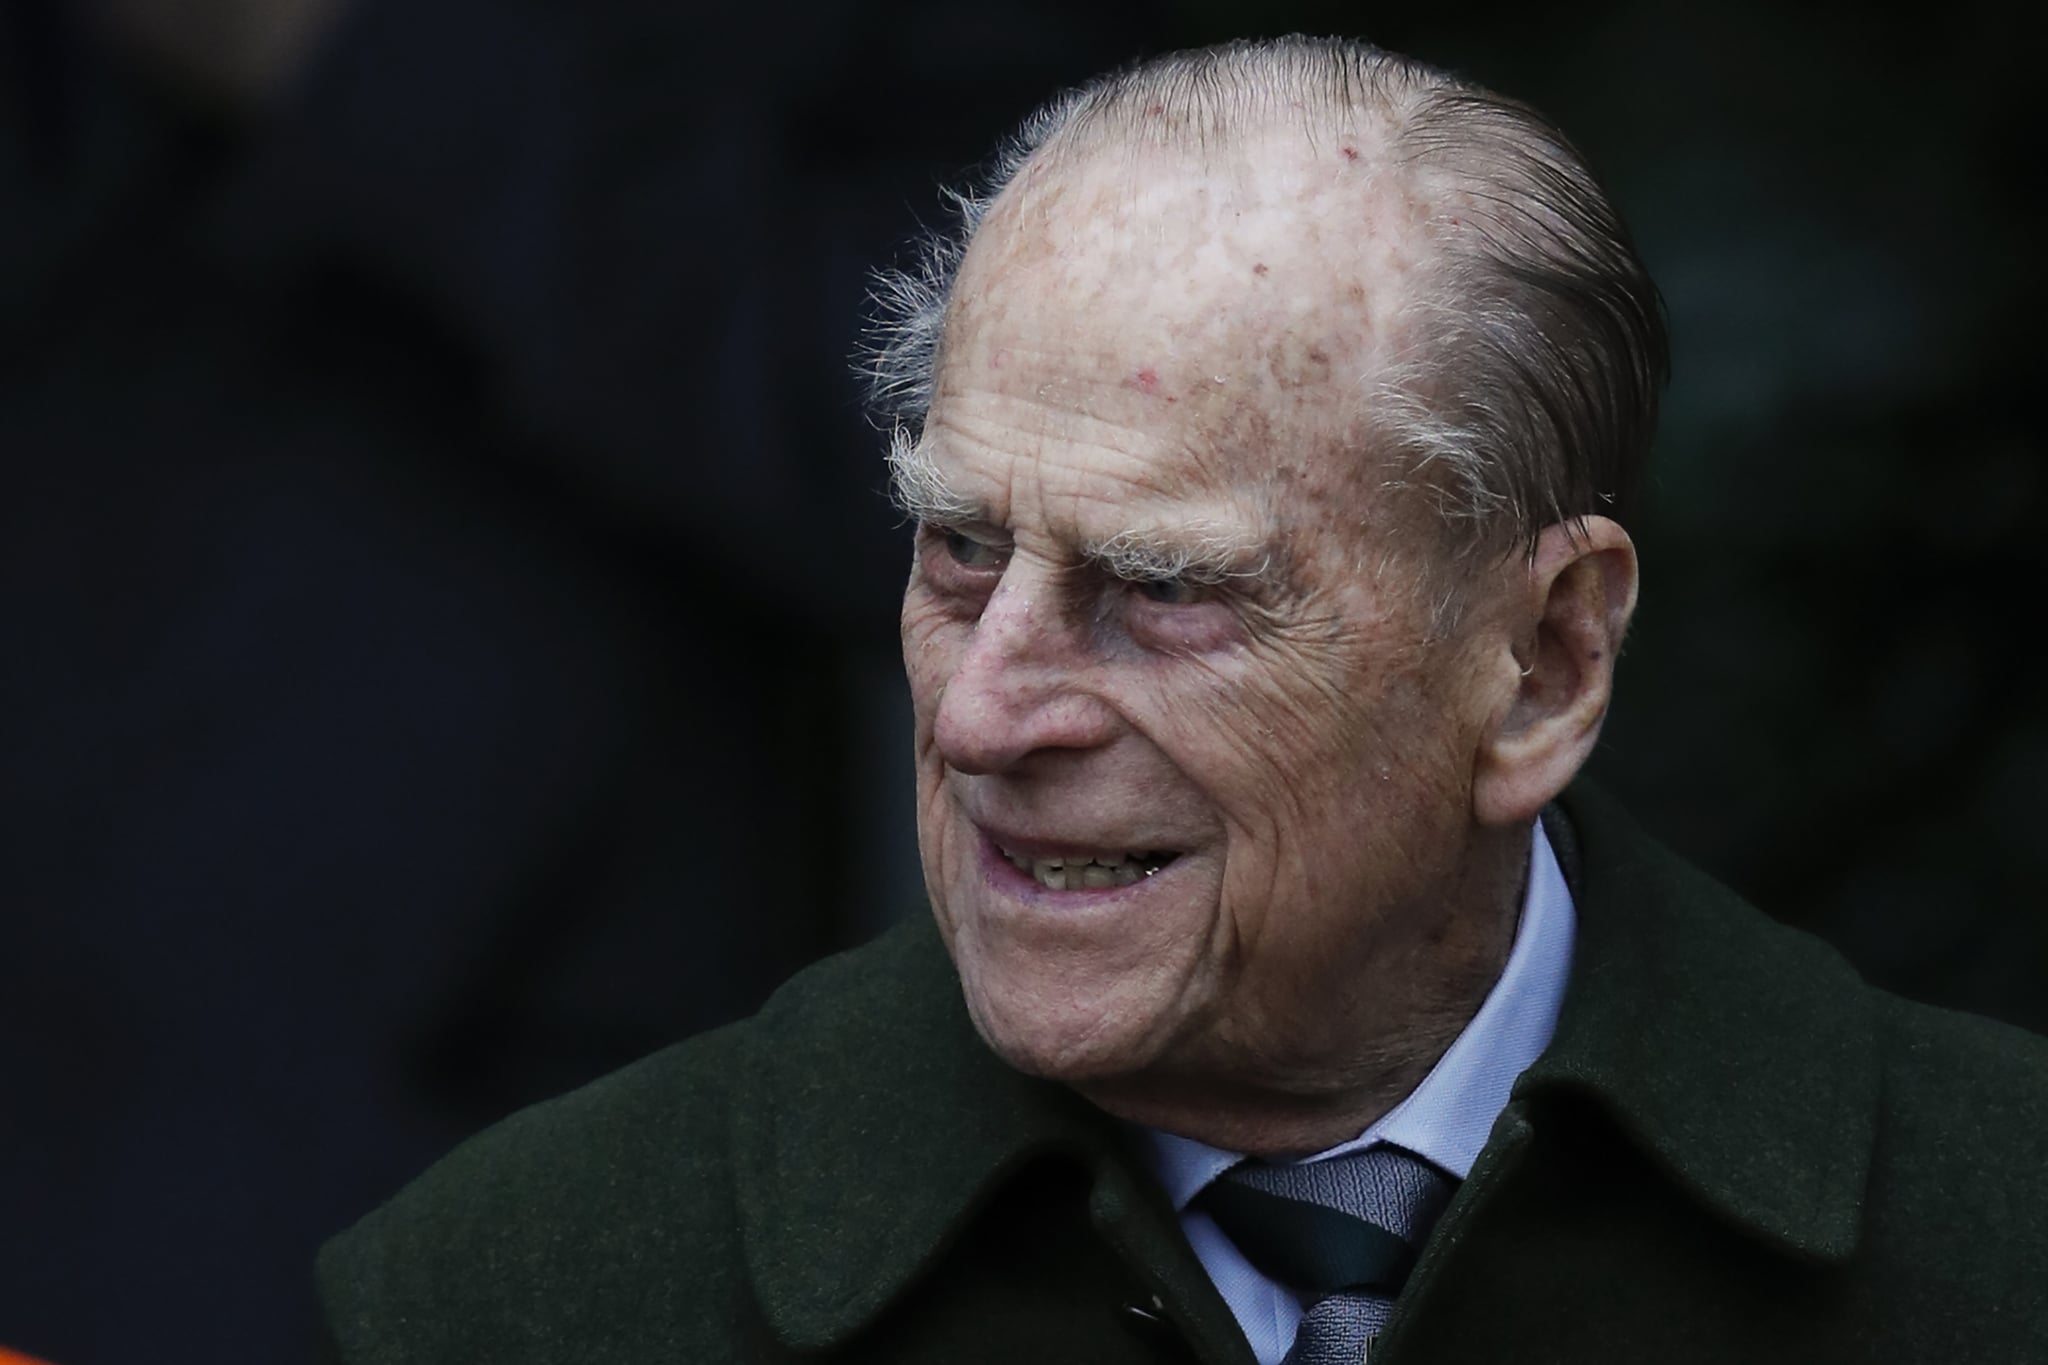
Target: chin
[(1060, 1041)]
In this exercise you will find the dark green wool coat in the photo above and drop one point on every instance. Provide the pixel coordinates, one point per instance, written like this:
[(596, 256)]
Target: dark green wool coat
[(1732, 1151)]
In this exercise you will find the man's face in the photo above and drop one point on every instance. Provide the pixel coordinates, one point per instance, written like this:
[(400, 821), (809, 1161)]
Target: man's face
[(1202, 825)]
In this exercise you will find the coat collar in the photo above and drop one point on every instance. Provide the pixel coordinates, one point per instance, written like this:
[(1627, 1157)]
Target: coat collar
[(872, 1124), (1740, 1054)]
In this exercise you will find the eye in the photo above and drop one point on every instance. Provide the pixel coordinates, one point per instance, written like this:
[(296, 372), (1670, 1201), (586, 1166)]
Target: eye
[(1169, 592), (968, 552)]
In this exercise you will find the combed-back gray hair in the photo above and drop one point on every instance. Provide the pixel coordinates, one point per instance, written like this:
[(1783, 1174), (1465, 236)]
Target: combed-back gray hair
[(1531, 396)]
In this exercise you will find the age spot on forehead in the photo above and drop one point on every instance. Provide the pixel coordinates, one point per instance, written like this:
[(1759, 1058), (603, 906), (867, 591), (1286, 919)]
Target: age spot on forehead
[(1295, 363)]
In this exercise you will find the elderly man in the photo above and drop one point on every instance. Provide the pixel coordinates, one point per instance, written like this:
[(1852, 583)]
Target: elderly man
[(1265, 437)]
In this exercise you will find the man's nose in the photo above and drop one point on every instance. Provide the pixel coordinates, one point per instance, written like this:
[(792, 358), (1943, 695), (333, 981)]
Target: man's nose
[(1024, 684)]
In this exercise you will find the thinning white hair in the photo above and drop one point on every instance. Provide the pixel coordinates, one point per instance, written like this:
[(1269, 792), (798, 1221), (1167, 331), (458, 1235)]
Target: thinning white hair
[(1531, 395)]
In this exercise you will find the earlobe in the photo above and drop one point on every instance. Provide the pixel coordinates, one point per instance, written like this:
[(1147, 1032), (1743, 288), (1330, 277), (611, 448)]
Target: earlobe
[(1579, 593)]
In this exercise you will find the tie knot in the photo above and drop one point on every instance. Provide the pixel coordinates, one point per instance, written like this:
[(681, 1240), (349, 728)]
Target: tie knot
[(1353, 1222)]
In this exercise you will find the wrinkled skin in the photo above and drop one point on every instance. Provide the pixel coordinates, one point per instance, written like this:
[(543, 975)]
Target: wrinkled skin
[(1176, 356)]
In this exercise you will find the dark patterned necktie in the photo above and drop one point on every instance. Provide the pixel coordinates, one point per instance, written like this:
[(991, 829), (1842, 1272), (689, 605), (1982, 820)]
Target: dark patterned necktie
[(1342, 1233)]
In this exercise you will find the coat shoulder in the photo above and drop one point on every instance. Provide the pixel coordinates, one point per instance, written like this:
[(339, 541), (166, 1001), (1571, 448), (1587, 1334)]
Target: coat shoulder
[(608, 1209), (1944, 1057), (544, 1218), (1955, 1223), (1965, 1112)]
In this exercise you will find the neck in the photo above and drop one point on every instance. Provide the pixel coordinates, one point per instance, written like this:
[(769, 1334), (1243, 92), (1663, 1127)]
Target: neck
[(1266, 1106)]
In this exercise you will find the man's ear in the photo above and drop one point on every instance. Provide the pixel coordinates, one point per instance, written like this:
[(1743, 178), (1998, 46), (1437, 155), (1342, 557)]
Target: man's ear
[(1571, 612)]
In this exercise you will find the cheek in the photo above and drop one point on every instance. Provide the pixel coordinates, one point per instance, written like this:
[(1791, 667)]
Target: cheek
[(932, 643), (1271, 734), (1318, 760)]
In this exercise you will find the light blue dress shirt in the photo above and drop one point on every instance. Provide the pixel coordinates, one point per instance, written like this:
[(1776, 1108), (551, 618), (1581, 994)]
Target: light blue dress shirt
[(1446, 1118)]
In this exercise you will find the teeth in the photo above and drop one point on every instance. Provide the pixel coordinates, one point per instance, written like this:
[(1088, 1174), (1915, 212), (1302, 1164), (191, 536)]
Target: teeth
[(1094, 872)]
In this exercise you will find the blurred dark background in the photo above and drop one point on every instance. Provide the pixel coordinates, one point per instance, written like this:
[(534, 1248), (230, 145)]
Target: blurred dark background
[(448, 608)]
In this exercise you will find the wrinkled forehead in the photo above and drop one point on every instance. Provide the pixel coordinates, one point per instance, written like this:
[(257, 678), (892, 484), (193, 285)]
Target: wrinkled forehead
[(1243, 301), (1282, 232)]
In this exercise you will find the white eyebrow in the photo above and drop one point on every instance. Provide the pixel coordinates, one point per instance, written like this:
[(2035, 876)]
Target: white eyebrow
[(1209, 553), (920, 491), (1202, 552)]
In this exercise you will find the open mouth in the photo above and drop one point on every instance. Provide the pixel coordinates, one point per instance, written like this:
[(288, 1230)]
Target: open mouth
[(1091, 871)]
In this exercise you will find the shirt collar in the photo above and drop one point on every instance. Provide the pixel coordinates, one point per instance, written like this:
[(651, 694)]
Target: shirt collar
[(1445, 1118)]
